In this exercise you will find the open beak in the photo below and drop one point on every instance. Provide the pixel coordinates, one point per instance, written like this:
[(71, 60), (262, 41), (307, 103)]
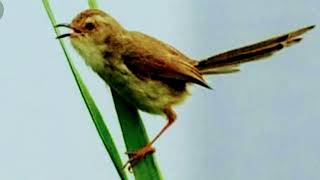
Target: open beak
[(63, 25), (63, 36), (66, 26)]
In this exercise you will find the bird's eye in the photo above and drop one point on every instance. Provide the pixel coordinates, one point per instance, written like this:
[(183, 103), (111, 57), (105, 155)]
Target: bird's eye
[(89, 26)]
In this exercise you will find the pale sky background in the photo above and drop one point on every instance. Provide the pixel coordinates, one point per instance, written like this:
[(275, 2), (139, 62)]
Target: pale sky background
[(260, 124)]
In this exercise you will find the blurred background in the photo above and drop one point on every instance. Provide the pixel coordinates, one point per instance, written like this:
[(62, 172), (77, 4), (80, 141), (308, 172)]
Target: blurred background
[(261, 123)]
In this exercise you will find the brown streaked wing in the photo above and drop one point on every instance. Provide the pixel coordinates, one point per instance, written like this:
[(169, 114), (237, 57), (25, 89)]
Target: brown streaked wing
[(151, 59), (149, 67)]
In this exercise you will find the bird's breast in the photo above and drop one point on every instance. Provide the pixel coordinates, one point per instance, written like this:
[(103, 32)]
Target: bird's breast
[(148, 95), (91, 53)]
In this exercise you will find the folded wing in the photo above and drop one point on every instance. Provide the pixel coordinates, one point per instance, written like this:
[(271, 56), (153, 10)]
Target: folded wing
[(149, 58)]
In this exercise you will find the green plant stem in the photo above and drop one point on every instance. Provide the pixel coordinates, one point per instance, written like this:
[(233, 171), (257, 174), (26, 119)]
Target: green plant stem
[(90, 104), (93, 4), (134, 133), (135, 137)]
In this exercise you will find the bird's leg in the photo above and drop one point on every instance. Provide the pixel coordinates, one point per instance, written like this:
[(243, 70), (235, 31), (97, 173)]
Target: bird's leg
[(135, 156)]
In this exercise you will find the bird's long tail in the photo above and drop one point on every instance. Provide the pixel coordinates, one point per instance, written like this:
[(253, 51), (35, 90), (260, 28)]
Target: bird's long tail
[(228, 62)]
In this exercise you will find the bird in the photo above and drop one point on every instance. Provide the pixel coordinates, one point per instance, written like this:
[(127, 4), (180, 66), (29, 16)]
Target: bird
[(150, 74)]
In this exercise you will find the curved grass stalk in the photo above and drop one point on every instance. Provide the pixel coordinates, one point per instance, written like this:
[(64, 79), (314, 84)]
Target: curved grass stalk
[(90, 104), (134, 133)]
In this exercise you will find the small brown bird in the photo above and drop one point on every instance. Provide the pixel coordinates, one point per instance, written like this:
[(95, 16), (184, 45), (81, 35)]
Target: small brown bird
[(150, 74)]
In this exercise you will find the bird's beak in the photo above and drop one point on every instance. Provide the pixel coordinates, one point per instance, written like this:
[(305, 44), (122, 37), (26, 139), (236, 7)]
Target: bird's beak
[(63, 25), (63, 36), (66, 26)]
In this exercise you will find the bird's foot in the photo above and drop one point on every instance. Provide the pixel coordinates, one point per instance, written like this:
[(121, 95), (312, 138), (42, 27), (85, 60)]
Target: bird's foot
[(136, 156)]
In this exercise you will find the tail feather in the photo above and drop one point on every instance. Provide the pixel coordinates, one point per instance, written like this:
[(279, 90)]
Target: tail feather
[(221, 70), (229, 61)]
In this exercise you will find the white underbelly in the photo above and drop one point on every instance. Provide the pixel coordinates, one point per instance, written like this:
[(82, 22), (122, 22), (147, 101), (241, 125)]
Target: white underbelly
[(147, 95)]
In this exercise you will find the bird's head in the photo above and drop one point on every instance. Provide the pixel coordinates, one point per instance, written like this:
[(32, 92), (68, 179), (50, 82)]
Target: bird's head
[(93, 26)]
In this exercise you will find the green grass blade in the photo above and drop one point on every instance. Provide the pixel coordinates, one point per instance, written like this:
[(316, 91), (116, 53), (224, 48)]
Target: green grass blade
[(93, 4), (134, 133), (135, 137), (92, 108)]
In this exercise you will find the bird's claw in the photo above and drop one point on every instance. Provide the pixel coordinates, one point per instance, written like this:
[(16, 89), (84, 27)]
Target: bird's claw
[(136, 156)]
